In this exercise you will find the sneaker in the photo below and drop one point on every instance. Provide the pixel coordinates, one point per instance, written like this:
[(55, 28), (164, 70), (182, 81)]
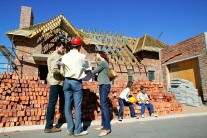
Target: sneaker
[(70, 133), (81, 134), (120, 119), (143, 116), (52, 130), (154, 115)]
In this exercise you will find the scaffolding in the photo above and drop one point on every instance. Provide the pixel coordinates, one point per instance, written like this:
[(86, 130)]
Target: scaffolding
[(9, 66)]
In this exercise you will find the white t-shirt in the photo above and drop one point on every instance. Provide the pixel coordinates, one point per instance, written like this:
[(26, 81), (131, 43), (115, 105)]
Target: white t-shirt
[(142, 96), (125, 94)]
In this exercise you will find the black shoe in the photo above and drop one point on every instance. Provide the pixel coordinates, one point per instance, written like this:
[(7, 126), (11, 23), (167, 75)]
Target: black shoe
[(120, 118), (136, 116)]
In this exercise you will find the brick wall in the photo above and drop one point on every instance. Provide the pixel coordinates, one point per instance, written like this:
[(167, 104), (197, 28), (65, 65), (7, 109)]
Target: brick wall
[(193, 47), (24, 61), (151, 59)]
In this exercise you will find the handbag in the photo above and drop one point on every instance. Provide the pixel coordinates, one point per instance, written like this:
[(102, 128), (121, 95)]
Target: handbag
[(112, 74)]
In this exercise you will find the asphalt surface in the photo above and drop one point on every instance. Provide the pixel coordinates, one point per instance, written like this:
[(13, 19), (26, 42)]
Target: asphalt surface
[(181, 127)]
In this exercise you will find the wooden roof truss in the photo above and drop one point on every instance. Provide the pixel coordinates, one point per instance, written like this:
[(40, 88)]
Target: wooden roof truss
[(118, 47)]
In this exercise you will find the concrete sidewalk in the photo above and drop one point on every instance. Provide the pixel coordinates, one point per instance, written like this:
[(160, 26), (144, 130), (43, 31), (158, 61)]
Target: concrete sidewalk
[(187, 112)]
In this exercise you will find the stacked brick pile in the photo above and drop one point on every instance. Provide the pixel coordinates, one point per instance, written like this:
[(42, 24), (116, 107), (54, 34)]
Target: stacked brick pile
[(23, 100)]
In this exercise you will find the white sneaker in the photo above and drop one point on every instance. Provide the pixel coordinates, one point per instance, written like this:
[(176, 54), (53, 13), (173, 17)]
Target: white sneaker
[(70, 133), (143, 116), (81, 134), (154, 115)]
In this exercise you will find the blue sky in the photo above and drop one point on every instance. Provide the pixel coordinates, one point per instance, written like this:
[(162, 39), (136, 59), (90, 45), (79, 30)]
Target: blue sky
[(177, 19)]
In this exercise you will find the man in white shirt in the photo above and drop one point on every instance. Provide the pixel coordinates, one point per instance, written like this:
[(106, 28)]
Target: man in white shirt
[(143, 100), (74, 65)]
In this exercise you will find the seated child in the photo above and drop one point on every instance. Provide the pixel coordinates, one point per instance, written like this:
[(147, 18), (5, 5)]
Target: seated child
[(123, 98), (143, 100)]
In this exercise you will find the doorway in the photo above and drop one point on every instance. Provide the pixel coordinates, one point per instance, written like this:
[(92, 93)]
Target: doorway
[(43, 71)]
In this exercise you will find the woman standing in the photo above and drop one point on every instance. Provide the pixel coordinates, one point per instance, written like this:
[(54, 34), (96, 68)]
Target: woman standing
[(104, 88)]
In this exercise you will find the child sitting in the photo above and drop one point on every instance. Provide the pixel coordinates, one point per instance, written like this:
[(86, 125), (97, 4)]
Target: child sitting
[(143, 100), (123, 98)]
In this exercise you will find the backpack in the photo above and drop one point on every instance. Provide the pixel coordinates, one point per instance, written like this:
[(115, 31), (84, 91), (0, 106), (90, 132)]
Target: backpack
[(112, 74)]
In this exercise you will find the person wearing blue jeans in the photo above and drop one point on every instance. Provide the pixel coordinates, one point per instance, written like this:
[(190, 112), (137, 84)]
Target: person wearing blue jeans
[(104, 88), (55, 79), (121, 110), (74, 65), (105, 119), (73, 92), (149, 106), (144, 101), (55, 90), (123, 99)]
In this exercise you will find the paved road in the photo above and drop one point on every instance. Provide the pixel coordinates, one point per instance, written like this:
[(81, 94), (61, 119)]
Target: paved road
[(186, 127)]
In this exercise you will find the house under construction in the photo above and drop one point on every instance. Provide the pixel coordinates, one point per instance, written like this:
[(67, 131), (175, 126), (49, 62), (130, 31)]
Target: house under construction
[(144, 58), (34, 43)]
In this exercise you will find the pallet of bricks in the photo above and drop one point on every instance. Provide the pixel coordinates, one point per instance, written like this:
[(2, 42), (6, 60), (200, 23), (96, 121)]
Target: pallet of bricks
[(23, 100)]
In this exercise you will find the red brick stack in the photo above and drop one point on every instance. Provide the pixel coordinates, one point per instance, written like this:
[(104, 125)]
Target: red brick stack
[(23, 100)]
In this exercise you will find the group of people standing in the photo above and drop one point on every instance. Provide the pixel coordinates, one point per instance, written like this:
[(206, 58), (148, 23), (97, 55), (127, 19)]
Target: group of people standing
[(65, 77), (65, 74)]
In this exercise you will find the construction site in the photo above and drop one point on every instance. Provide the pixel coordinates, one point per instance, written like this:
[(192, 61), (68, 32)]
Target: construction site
[(164, 70)]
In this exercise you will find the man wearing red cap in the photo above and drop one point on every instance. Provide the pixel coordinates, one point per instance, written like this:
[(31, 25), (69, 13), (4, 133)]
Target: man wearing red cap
[(74, 65)]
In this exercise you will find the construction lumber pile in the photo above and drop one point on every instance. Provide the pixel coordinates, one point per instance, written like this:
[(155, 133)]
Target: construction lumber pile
[(23, 100)]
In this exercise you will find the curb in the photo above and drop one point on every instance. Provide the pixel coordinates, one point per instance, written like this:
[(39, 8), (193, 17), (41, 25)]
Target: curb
[(94, 123)]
